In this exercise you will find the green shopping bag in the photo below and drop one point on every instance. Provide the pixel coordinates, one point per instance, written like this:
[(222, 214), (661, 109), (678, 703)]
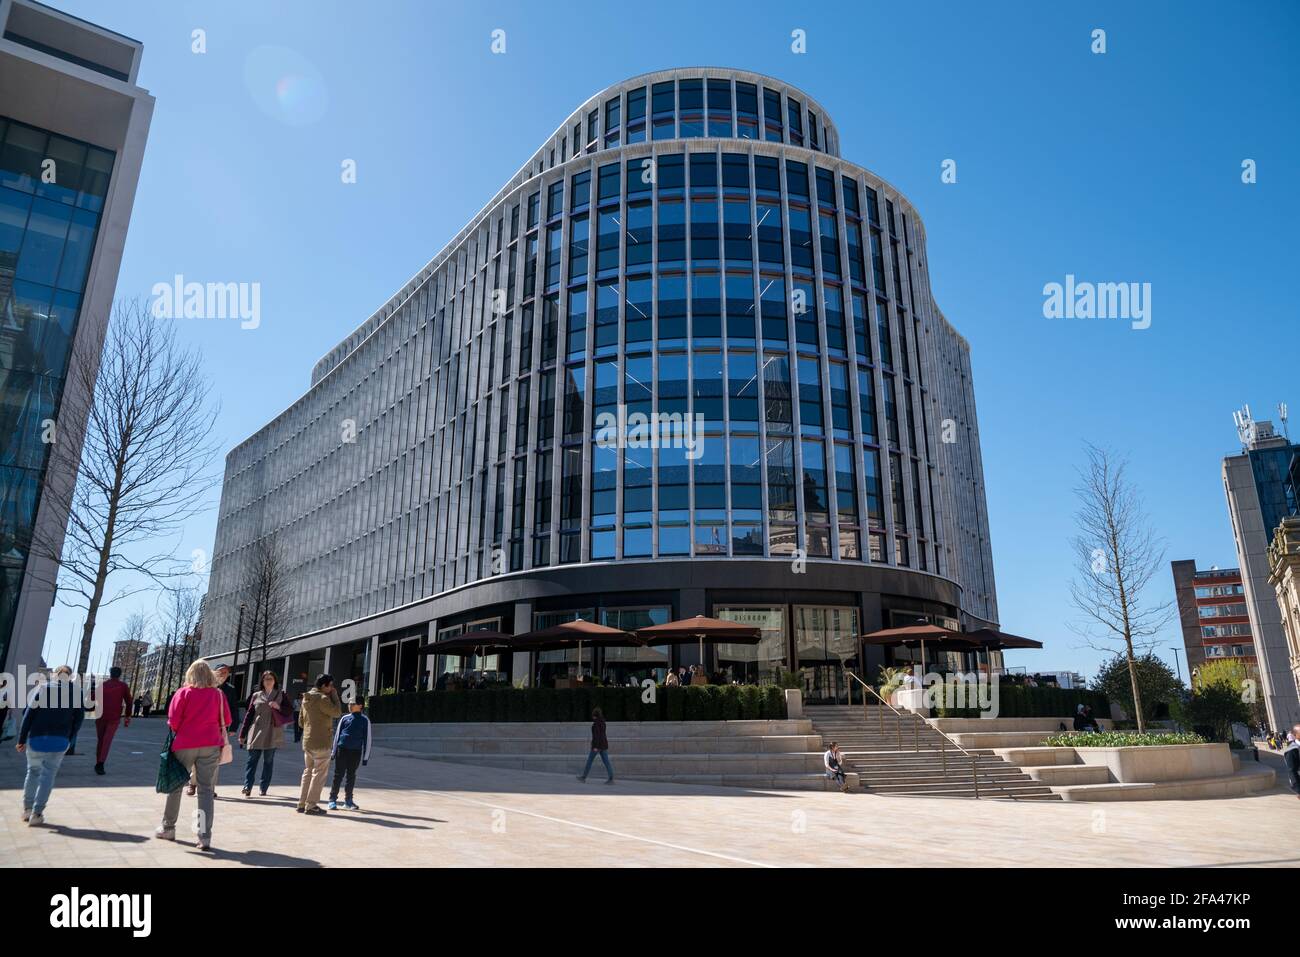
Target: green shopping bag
[(171, 773)]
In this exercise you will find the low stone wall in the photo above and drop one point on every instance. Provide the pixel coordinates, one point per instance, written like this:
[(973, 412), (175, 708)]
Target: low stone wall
[(1165, 762), (1048, 726)]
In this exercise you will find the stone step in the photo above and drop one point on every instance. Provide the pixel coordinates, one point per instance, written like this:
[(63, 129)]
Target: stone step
[(897, 761), (1249, 780), (767, 782), (770, 779), (904, 755), (764, 744), (966, 790), (717, 764), (917, 773), (951, 784), (1070, 774)]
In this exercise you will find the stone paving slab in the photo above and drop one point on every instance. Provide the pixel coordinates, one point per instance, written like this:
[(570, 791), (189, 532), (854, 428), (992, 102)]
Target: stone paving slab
[(421, 812)]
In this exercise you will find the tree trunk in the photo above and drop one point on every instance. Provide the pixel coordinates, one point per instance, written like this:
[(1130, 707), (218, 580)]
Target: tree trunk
[(1128, 630), (101, 570), (1133, 680)]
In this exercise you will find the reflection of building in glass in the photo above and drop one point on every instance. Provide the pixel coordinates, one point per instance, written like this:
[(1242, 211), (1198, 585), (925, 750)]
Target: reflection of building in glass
[(794, 439), (1260, 496), (72, 132)]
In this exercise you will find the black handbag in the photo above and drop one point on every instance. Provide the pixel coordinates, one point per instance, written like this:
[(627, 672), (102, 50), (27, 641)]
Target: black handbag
[(171, 773)]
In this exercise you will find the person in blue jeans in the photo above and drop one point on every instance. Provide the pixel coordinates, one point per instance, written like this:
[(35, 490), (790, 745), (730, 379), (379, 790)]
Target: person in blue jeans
[(599, 745), (262, 732), (53, 717), (352, 741)]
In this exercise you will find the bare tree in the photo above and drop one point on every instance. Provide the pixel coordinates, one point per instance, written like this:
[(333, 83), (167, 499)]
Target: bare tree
[(1117, 554), (266, 583), (183, 615), (138, 411)]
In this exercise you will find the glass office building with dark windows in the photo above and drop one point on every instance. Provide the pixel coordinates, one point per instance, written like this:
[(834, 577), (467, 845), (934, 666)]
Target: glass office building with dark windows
[(72, 130), (687, 250)]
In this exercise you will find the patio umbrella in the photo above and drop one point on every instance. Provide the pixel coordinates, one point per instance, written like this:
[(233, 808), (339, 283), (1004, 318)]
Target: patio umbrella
[(574, 634), (991, 639), (468, 641), (945, 639), (1000, 639), (478, 643), (700, 629)]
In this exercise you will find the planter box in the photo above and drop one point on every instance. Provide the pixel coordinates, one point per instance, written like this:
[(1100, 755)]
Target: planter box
[(1165, 762), (909, 699), (793, 703)]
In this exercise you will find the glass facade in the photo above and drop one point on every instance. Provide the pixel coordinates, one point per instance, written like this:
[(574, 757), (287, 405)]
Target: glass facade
[(676, 264), (52, 192)]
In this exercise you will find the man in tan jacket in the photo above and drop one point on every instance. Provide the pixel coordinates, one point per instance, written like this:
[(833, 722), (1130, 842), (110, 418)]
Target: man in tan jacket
[(320, 706)]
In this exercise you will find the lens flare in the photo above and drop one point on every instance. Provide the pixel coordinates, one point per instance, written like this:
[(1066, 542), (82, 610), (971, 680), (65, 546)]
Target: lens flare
[(285, 85)]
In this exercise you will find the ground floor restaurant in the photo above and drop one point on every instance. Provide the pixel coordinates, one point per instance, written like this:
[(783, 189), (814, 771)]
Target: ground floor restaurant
[(816, 641)]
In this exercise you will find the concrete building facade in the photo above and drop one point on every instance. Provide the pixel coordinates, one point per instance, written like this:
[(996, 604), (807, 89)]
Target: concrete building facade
[(1260, 495), (73, 125), (1284, 566), (686, 361), (1213, 614)]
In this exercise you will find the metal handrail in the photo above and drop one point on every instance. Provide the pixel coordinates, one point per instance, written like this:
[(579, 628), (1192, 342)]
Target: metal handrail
[(944, 739)]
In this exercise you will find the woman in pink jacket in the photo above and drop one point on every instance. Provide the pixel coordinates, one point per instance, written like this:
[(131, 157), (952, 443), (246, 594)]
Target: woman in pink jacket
[(199, 717)]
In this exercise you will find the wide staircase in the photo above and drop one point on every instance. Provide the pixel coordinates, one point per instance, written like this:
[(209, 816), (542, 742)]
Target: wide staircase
[(898, 752), (783, 755)]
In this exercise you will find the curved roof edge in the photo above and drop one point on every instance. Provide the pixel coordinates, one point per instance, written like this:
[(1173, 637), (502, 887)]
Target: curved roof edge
[(526, 172)]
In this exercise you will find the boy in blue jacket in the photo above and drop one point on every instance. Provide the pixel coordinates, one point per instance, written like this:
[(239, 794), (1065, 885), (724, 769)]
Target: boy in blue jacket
[(352, 740), (50, 723)]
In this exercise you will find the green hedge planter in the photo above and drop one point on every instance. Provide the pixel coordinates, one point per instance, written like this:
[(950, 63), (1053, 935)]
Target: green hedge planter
[(694, 703), (1119, 739)]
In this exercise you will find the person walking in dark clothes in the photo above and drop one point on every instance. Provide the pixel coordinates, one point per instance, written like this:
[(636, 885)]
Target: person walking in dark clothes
[(599, 745), (1292, 758), (352, 741)]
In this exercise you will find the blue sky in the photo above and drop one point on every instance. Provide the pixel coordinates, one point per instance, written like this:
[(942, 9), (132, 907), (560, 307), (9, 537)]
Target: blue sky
[(1120, 167)]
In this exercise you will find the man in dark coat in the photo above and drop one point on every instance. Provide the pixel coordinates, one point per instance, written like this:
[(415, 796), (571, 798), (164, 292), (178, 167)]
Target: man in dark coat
[(1292, 758), (222, 673)]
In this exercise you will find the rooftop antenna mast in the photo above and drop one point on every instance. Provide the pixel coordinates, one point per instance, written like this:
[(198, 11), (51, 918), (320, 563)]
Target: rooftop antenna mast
[(1245, 427), (1281, 414)]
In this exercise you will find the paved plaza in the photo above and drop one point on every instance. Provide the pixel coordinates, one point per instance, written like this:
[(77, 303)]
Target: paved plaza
[(418, 812)]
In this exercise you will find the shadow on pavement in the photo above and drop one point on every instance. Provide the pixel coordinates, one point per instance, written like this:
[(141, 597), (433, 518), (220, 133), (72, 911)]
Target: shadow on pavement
[(258, 858), (91, 834)]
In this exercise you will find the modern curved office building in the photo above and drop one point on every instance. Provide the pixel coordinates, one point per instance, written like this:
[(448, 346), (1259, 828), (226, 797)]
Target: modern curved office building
[(686, 361)]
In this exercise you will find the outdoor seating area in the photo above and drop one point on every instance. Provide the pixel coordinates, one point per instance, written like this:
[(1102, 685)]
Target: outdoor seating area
[(585, 654), (486, 659)]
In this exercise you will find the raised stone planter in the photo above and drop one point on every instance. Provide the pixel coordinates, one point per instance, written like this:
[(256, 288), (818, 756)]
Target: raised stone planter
[(793, 703), (1165, 762), (1159, 773), (910, 699)]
